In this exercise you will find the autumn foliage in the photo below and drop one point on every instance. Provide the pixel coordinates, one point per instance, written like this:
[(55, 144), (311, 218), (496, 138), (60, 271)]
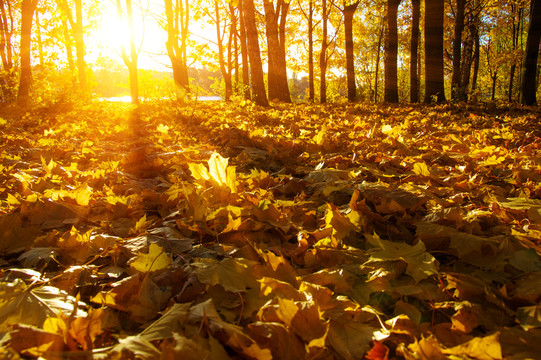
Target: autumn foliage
[(228, 231)]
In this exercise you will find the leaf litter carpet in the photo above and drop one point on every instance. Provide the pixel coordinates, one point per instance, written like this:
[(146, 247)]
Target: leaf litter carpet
[(302, 232)]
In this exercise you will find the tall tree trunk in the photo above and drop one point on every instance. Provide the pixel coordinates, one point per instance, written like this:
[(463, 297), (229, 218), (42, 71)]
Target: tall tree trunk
[(434, 76), (323, 54), (311, 90), (244, 52), (78, 31), (69, 51), (528, 87), (476, 60), (177, 18), (235, 35), (25, 81), (275, 19), (226, 75), (517, 12), (349, 12), (391, 52), (39, 40), (378, 57), (457, 93), (6, 32), (130, 60), (78, 35), (414, 51), (256, 67)]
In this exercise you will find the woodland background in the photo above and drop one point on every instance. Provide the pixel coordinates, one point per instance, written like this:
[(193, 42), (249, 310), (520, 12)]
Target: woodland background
[(327, 50)]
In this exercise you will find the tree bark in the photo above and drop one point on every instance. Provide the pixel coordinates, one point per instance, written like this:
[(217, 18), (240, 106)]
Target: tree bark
[(391, 52), (323, 54), (311, 90), (25, 81), (256, 67), (177, 31), (528, 87), (226, 72), (349, 12), (244, 52), (6, 32), (275, 19), (378, 57), (434, 76), (414, 51), (457, 92)]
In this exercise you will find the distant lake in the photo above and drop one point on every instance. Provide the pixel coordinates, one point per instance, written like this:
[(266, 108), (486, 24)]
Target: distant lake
[(127, 98)]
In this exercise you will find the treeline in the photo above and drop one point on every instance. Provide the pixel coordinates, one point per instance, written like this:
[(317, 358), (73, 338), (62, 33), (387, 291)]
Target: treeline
[(370, 50)]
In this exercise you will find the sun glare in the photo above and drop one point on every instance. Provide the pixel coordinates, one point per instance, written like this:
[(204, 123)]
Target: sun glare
[(114, 32)]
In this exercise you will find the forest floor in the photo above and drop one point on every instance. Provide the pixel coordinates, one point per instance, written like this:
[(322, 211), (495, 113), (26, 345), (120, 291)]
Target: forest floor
[(223, 231)]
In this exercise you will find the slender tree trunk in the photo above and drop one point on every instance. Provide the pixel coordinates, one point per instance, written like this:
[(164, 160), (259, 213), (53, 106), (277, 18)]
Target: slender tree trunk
[(69, 52), (391, 52), (275, 25), (6, 32), (528, 87), (323, 55), (378, 57), (256, 67), (244, 52), (25, 81), (177, 18), (434, 76), (494, 79), (234, 34), (80, 43), (311, 90), (130, 60), (457, 93), (349, 12), (476, 58), (414, 51), (219, 36), (39, 41)]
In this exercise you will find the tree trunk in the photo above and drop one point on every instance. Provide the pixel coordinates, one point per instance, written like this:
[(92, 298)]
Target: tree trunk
[(78, 35), (226, 75), (311, 90), (25, 81), (177, 30), (6, 32), (434, 76), (69, 52), (528, 87), (414, 51), (378, 57), (131, 60), (457, 92), (256, 67), (78, 31), (349, 12), (39, 41), (391, 52), (234, 34), (275, 26), (323, 55), (244, 51), (476, 58)]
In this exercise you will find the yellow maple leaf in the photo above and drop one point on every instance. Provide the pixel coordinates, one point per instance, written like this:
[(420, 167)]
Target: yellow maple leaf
[(155, 260), (421, 169)]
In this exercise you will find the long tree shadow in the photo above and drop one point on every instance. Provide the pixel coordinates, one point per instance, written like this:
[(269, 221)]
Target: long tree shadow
[(140, 161)]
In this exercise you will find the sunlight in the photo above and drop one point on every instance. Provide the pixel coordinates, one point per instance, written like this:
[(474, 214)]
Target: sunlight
[(114, 31), (113, 34)]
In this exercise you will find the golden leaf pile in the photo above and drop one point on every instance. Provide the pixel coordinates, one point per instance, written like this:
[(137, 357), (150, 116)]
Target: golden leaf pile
[(227, 231)]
